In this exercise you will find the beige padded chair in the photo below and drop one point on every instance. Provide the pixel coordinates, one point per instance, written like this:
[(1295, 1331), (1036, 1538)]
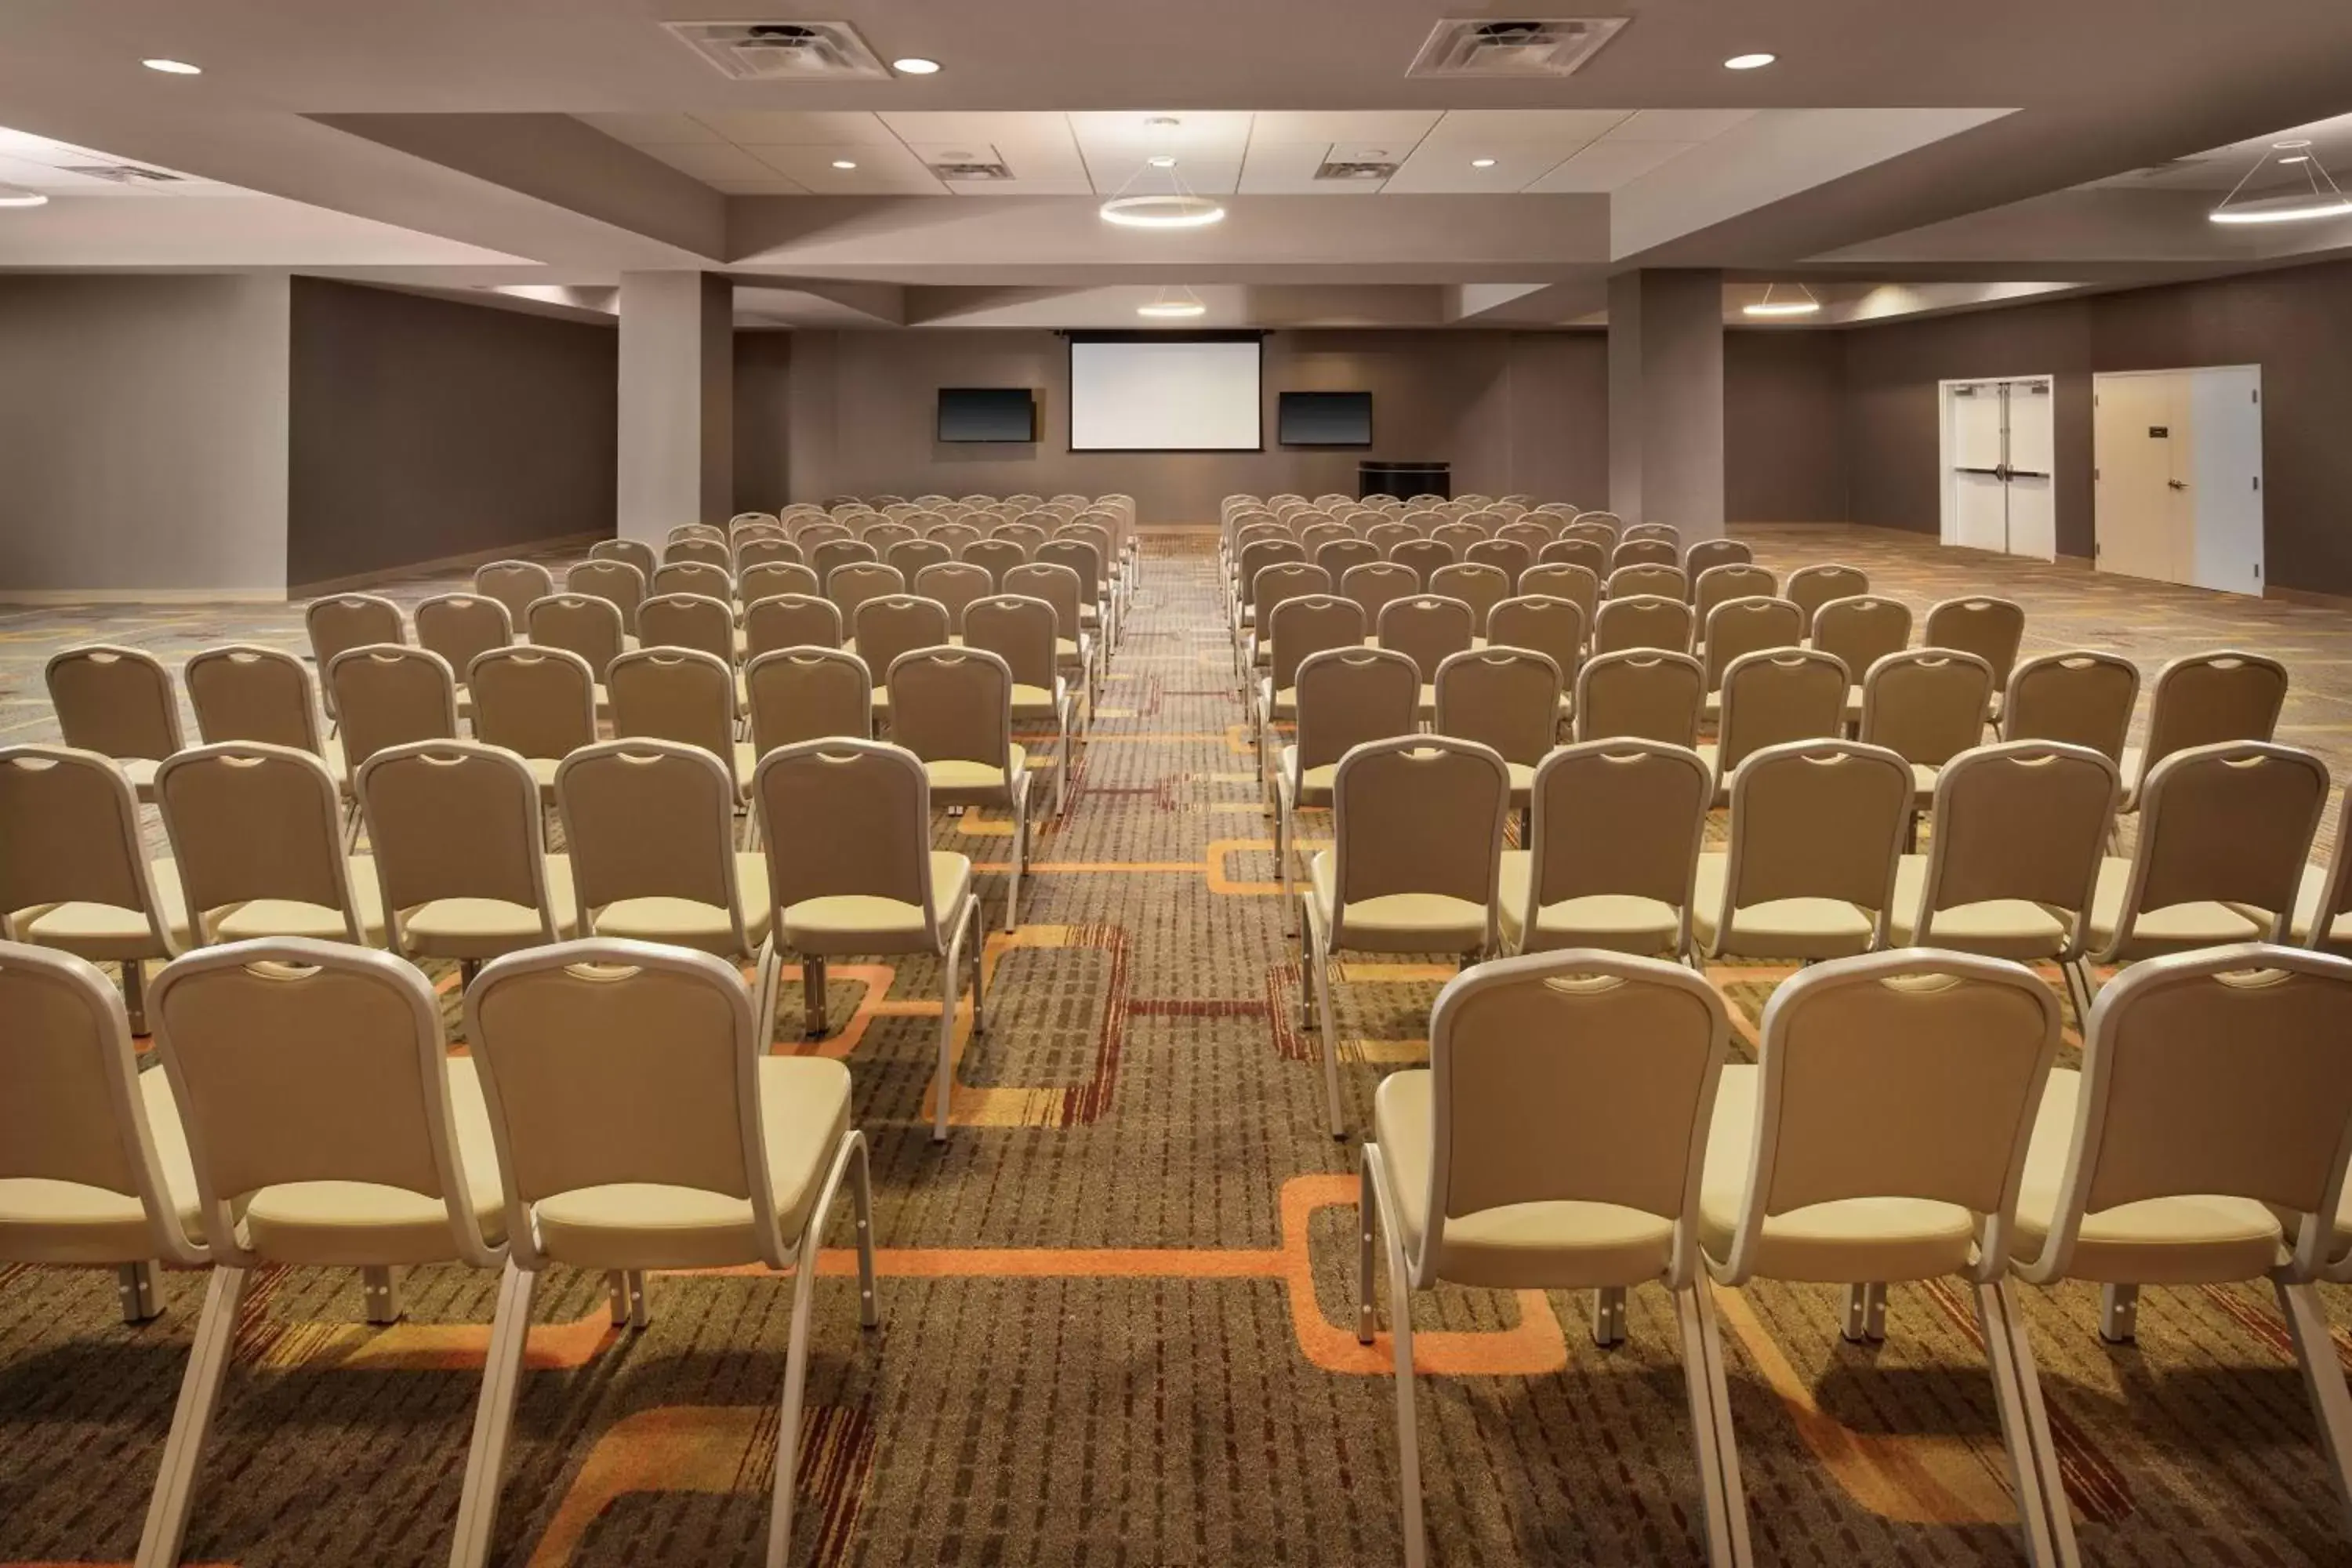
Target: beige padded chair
[(649, 828), (710, 579), (118, 702), (1642, 694), (1345, 698), (1657, 621), (852, 584), (1927, 705), (2204, 699), (256, 841), (1377, 585), (1417, 832), (1664, 531), (885, 536), (1555, 1142), (952, 709), (1428, 629), (791, 620), (1811, 587), (1296, 629), (1074, 648), (340, 622), (807, 694), (368, 1146), (1859, 631), (1457, 536), (1632, 551), (1546, 624), (460, 853), (459, 626), (1732, 580), (243, 691), (2078, 698), (2219, 858), (1020, 631), (763, 549), (539, 703), (954, 585), (994, 556), (1342, 555), (617, 582), (767, 579), (1574, 549), (1742, 626), (2020, 829), (1988, 628), (1478, 584), (1881, 1137), (76, 875), (679, 694), (958, 537), (688, 620), (2323, 900), (582, 623), (642, 1125), (912, 556), (1506, 700), (890, 625), (1706, 555), (1628, 580), (699, 549), (519, 585), (97, 1163), (1614, 846), (1422, 556), (1274, 586), (872, 884), (1511, 556), (636, 552), (1770, 699), (1816, 828), (1558, 580), (389, 695)]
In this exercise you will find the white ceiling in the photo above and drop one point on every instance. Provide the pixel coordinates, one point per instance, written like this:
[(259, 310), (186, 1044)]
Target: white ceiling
[(762, 152), (2220, 168)]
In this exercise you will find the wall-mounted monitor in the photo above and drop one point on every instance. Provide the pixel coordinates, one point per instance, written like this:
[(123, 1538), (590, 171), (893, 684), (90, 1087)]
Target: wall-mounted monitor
[(1165, 391), (1324, 419), (987, 414)]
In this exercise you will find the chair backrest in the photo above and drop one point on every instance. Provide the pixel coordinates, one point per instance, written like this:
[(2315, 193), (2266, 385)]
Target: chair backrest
[(674, 694), (1350, 695), (1927, 705), (454, 819), (1545, 625), (1528, 536), (250, 821), (1634, 552), (340, 622), (1375, 584), (2025, 820), (829, 555), (1811, 587), (1843, 1111), (1589, 543), (2081, 697), (885, 536), (694, 530), (1987, 627), (246, 692), (1386, 535), (651, 819), (1861, 630), (766, 579), (1659, 621), (71, 827), (954, 585), (1425, 629), (697, 551), (1666, 581), (1019, 630), (1479, 584), (894, 624), (1646, 694), (952, 705), (1733, 580), (631, 551), (764, 551), (994, 556), (1339, 556), (1508, 556), (1815, 819), (1417, 814), (706, 578), (584, 623), (1283, 580), (2230, 824), (390, 695), (459, 626), (1748, 625), (1617, 818), (299, 1061), (1664, 531), (1457, 536), (791, 620), (1505, 698), (1308, 624), (958, 537), (534, 702), (1083, 557), (847, 818), (116, 701), (1572, 1078), (1030, 535), (2203, 699), (1776, 696), (807, 693), (1053, 582), (1707, 555), (2222, 1073), (1565, 580), (617, 582), (813, 532), (851, 586), (74, 1112), (912, 556), (1424, 556), (518, 584), (687, 620)]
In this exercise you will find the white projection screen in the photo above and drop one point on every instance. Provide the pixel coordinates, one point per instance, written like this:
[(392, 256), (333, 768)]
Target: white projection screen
[(1165, 395)]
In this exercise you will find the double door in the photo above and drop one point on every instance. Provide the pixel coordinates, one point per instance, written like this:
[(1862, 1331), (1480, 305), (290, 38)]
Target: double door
[(2177, 474), (2000, 437)]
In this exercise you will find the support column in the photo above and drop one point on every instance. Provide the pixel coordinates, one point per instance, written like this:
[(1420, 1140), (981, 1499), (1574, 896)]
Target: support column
[(1665, 399), (677, 402)]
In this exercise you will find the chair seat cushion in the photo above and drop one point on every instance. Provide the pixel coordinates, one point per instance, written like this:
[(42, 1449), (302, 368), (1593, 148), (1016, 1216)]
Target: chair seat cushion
[(689, 923), (1314, 786), (964, 779), (2191, 1240), (1849, 1241), (1398, 922), (1998, 928), (2307, 894), (2174, 929), (1558, 1245), (102, 932), (861, 922), (804, 1111), (486, 928), (358, 1224), (48, 1221), (1779, 927), (1035, 704), (290, 916), (1620, 922)]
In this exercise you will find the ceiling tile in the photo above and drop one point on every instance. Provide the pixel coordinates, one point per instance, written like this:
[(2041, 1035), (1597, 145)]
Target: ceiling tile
[(1488, 130), (798, 128), (1396, 128), (1033, 157), (1680, 124), (1442, 167), (1220, 136), (880, 168), (653, 130), (712, 163), (1605, 166), (1287, 169), (774, 185)]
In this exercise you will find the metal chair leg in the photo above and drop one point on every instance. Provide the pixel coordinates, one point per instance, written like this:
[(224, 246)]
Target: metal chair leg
[(167, 1528), (477, 1504)]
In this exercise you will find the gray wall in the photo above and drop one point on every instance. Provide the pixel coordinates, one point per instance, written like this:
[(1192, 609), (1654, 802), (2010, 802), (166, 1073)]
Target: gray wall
[(1784, 450), (144, 422), (424, 429)]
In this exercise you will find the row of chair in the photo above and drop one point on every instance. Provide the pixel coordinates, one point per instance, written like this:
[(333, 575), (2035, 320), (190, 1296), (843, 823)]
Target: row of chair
[(1514, 545)]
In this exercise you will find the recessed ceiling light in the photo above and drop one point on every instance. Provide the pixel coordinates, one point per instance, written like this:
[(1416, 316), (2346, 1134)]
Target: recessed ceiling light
[(1162, 162), (845, 163), (1748, 62), (915, 65), (1162, 122), (18, 196), (173, 67), (1482, 163)]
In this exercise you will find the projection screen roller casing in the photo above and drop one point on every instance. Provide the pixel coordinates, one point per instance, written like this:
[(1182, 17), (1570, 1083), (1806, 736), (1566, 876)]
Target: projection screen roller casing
[(1168, 395)]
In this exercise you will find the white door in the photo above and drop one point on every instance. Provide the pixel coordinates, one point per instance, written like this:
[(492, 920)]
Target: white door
[(1980, 510), (2225, 477), (2032, 488), (1999, 454), (2176, 475), (2137, 510)]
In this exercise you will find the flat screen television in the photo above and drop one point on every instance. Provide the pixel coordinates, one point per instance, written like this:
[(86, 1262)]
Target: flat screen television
[(987, 414), (1324, 419)]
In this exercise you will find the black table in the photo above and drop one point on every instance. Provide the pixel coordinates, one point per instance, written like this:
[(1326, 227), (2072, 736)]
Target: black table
[(1405, 481)]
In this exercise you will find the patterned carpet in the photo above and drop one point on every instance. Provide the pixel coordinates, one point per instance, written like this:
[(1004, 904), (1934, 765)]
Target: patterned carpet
[(1117, 1325)]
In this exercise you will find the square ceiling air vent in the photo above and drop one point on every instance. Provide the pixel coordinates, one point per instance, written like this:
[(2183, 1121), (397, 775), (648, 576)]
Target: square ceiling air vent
[(783, 52), (1355, 169), (972, 169), (1474, 45)]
